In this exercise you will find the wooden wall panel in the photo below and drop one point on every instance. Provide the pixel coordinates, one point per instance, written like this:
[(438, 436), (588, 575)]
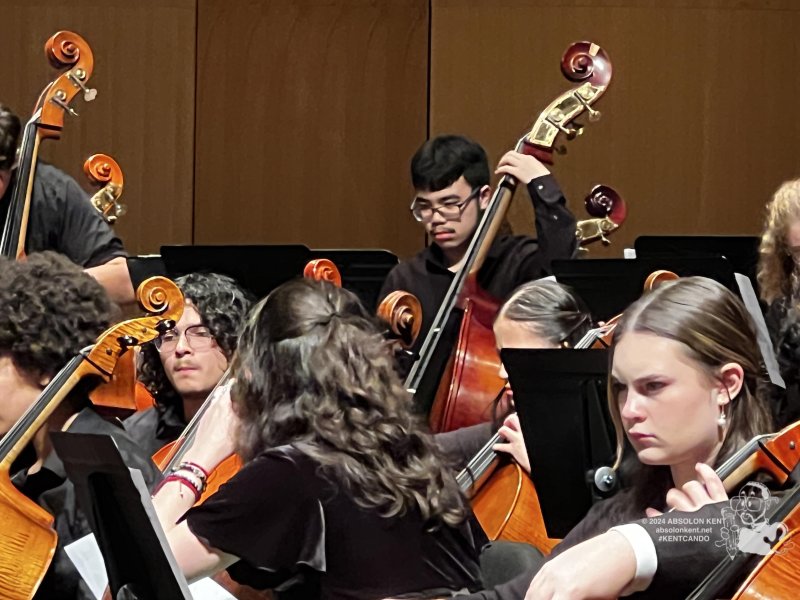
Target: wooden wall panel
[(308, 112), (699, 125), (143, 115)]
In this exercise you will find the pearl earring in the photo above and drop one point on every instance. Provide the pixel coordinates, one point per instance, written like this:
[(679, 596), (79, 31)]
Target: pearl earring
[(722, 421)]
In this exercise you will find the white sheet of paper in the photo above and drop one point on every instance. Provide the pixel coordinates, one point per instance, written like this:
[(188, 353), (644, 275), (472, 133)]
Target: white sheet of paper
[(85, 555), (764, 343)]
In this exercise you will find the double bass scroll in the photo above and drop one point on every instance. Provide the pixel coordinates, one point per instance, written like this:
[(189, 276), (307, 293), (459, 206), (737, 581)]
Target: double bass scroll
[(608, 211), (104, 171), (65, 50), (583, 62)]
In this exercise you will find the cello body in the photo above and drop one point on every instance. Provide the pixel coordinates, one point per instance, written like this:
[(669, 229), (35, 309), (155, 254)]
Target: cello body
[(27, 532), (507, 508)]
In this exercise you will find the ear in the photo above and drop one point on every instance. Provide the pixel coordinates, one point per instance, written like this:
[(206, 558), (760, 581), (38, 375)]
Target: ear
[(484, 197), (731, 377)]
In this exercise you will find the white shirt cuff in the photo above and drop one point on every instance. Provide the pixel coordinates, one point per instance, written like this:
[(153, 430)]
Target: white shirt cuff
[(646, 559)]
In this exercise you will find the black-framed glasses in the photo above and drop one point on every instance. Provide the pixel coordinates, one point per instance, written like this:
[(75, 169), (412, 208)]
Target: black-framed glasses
[(450, 210), (197, 336)]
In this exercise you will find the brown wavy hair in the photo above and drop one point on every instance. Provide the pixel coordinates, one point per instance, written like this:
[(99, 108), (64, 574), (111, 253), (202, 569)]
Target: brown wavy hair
[(313, 371), (714, 328), (775, 263)]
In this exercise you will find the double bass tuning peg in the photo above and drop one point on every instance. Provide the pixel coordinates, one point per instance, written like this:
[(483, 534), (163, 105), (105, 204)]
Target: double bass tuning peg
[(77, 78)]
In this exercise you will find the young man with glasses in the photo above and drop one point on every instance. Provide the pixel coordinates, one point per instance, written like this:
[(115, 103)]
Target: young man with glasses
[(181, 367), (451, 182)]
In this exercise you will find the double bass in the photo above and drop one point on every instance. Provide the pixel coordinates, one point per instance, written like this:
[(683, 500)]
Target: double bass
[(65, 50), (29, 540), (456, 387)]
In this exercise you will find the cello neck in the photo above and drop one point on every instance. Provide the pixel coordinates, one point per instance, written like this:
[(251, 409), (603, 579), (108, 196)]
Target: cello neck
[(480, 466), (22, 432), (185, 440), (12, 242)]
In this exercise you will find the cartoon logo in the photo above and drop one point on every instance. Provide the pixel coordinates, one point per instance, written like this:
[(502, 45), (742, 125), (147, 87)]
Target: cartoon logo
[(745, 527)]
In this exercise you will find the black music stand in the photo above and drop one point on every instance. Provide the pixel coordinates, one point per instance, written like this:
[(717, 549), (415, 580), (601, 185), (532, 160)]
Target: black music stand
[(117, 505), (560, 397), (740, 250), (257, 268), (610, 285)]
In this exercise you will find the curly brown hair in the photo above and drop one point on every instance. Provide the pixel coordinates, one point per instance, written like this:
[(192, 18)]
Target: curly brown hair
[(314, 371), (49, 310), (222, 305), (776, 265)]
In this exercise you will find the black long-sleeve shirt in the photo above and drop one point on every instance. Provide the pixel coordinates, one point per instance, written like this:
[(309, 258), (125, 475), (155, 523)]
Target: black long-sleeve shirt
[(510, 262), (50, 489)]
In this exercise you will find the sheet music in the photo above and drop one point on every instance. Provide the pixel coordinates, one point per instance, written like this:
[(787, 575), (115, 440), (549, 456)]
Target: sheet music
[(85, 555), (764, 343)]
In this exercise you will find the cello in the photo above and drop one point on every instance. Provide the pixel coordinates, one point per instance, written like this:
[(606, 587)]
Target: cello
[(29, 540), (64, 50), (502, 494), (455, 386), (776, 574), (123, 394)]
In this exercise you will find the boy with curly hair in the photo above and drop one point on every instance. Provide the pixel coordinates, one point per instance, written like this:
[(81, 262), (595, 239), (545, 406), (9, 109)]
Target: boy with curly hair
[(49, 310), (181, 367)]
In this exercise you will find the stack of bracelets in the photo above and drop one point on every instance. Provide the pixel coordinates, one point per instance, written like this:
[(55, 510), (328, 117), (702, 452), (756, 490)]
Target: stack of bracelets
[(191, 475)]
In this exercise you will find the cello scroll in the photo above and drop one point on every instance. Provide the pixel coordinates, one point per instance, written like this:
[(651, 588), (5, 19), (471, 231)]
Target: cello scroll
[(402, 312)]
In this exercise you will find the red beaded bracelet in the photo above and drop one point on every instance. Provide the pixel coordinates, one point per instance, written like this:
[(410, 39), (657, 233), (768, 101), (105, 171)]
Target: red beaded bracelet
[(185, 481)]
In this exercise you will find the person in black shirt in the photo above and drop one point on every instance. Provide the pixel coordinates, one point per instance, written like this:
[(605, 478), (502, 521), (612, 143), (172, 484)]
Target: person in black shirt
[(451, 182), (49, 311), (181, 367), (62, 218), (341, 489)]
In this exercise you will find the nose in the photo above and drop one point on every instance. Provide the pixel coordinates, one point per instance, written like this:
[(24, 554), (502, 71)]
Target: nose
[(502, 372), (437, 218), (182, 347), (632, 410)]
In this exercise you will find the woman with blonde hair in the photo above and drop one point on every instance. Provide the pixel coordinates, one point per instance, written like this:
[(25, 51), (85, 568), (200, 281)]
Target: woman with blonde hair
[(779, 283)]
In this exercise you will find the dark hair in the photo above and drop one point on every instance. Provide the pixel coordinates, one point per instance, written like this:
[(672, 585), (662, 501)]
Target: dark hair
[(9, 136), (314, 371), (222, 305), (49, 310), (441, 161), (550, 309), (714, 328)]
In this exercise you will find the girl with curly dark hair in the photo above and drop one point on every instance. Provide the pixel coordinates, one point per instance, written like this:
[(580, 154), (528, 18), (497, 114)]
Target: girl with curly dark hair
[(181, 367), (342, 489)]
